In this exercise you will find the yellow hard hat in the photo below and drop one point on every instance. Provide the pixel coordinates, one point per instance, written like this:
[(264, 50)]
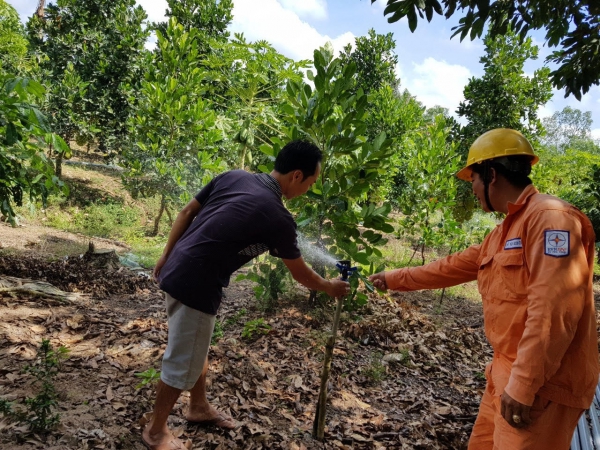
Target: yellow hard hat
[(494, 144)]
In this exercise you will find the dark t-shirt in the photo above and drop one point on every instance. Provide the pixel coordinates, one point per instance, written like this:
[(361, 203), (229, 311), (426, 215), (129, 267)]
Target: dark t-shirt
[(241, 216)]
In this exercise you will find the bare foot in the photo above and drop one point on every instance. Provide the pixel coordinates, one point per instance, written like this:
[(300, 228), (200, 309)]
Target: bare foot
[(162, 442), (211, 417)]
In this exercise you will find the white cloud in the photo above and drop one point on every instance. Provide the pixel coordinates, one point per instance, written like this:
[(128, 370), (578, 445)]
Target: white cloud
[(316, 9), (155, 9), (546, 111), (282, 28), (596, 133), (436, 82)]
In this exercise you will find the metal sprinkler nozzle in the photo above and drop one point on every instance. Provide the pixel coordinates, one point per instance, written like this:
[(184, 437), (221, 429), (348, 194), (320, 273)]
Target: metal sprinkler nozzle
[(343, 266)]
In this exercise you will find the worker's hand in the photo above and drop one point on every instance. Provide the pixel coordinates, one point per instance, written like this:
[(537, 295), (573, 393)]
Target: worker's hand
[(338, 288), (157, 268), (515, 413), (378, 280)]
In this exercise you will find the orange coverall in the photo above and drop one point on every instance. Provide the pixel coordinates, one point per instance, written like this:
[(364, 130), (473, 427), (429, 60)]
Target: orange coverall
[(534, 272)]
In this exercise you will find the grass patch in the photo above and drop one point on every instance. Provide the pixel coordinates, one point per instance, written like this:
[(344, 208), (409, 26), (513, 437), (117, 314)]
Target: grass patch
[(98, 206)]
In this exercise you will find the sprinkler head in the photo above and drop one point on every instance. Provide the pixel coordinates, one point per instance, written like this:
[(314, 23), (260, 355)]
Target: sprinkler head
[(343, 266)]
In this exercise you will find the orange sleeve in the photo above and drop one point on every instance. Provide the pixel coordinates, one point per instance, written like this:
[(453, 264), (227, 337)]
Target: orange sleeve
[(555, 300), (454, 269)]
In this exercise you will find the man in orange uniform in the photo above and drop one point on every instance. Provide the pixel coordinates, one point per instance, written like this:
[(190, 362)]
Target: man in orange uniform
[(534, 272)]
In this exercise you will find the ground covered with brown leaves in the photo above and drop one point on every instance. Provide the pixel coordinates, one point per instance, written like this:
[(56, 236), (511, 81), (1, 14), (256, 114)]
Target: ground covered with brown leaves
[(405, 374)]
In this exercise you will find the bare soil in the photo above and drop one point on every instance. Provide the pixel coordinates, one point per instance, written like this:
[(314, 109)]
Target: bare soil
[(116, 328)]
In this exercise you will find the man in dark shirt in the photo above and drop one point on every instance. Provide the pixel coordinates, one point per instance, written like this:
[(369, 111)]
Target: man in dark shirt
[(236, 217)]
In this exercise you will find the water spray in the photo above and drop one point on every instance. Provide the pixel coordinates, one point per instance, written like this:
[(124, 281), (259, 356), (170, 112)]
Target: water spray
[(346, 270)]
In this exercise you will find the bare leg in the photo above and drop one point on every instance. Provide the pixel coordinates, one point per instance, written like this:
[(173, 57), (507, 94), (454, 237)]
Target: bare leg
[(157, 432), (199, 406), (201, 411)]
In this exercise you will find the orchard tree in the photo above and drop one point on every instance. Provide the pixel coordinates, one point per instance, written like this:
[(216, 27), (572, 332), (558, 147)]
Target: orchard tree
[(397, 115), (503, 98), (566, 127), (332, 116), (104, 41), (430, 190), (571, 25), (172, 151), (67, 102), (13, 41), (24, 132), (432, 113), (247, 86), (375, 61), (388, 110), (209, 17)]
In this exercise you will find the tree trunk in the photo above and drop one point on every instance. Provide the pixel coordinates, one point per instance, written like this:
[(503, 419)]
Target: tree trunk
[(243, 158), (321, 411), (58, 165), (160, 213), (168, 212)]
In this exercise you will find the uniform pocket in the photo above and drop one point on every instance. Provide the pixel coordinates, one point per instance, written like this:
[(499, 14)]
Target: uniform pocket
[(511, 282)]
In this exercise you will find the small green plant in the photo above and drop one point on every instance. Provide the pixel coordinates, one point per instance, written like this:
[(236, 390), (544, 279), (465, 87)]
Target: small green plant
[(236, 318), (480, 376), (5, 407), (253, 327), (217, 333), (148, 376), (271, 277), (406, 357), (39, 414), (375, 372)]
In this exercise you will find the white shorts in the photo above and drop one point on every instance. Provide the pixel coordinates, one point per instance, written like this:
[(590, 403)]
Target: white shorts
[(190, 332)]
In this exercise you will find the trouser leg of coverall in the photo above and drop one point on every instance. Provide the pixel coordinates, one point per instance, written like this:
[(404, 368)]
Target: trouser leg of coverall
[(552, 427)]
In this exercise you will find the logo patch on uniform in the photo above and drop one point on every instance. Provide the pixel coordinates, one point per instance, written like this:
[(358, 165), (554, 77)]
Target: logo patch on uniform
[(513, 243), (556, 243)]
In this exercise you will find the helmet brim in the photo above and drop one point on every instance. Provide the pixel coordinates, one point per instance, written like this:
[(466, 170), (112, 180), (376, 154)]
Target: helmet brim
[(466, 173)]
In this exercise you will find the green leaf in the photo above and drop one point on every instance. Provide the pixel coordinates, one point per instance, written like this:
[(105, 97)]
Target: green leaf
[(412, 19), (12, 136)]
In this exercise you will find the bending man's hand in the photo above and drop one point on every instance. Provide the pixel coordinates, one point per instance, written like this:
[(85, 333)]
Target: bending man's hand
[(378, 280), (157, 268), (338, 288), (515, 413)]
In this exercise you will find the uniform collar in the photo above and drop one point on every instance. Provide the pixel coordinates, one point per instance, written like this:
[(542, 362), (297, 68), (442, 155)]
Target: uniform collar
[(522, 200)]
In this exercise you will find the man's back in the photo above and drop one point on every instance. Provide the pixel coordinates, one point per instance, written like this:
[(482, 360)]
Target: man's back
[(242, 216)]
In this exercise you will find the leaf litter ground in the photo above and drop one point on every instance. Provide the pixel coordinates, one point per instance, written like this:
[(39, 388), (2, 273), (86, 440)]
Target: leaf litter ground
[(405, 374)]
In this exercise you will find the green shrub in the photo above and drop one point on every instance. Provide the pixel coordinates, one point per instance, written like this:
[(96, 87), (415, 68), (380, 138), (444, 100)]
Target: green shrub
[(39, 410), (254, 327), (375, 371), (271, 277), (149, 376)]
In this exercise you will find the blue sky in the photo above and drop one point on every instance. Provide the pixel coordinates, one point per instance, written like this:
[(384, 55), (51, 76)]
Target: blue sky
[(431, 66)]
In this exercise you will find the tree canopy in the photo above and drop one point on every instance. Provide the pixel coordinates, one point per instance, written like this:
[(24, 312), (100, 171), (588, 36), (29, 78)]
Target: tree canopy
[(13, 43), (571, 25), (565, 127), (503, 98)]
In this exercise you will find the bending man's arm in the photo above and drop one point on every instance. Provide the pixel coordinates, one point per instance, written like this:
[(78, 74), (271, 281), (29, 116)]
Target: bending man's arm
[(312, 280), (181, 224)]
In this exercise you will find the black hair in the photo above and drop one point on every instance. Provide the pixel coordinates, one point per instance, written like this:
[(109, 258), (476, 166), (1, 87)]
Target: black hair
[(515, 169), (298, 155)]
